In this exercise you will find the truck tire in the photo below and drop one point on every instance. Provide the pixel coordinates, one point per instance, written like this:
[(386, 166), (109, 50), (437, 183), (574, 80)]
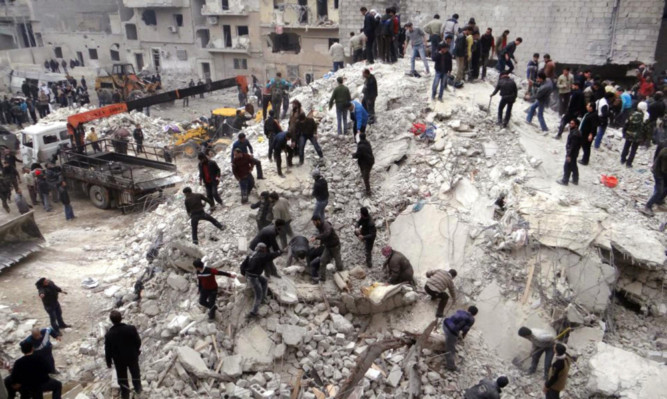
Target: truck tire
[(190, 150), (99, 196)]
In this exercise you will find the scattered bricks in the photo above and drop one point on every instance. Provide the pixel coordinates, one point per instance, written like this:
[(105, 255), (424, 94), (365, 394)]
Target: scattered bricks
[(260, 393)]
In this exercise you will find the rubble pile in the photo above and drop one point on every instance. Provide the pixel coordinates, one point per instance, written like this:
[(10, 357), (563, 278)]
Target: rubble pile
[(477, 198)]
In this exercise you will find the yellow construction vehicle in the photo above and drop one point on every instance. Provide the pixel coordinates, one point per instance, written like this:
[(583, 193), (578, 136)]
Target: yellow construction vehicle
[(123, 79), (195, 138)]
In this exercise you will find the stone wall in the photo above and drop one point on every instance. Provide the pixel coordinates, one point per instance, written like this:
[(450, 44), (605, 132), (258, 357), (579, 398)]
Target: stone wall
[(593, 32)]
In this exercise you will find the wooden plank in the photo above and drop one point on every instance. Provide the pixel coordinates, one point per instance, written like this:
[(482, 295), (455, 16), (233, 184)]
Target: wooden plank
[(296, 385), (526, 292)]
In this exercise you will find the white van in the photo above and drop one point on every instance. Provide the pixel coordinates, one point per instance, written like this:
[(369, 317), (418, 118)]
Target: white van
[(39, 142), (34, 78)]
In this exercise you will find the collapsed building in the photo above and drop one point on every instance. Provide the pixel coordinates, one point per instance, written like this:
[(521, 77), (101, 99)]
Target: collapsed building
[(477, 198)]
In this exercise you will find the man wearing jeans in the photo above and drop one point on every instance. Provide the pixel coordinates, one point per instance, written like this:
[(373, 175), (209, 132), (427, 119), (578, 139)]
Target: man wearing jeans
[(307, 128), (341, 97), (208, 286), (540, 100), (261, 261), (321, 194), (443, 67), (542, 343), (417, 37), (433, 30), (602, 107), (48, 291), (122, 347), (659, 170), (508, 92), (194, 206), (329, 239), (455, 327)]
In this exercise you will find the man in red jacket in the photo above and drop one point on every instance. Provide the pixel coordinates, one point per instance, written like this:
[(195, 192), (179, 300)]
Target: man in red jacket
[(242, 168), (208, 287)]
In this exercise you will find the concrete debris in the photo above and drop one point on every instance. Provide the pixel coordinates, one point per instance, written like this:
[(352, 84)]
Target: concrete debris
[(284, 290), (341, 324), (192, 361), (178, 282)]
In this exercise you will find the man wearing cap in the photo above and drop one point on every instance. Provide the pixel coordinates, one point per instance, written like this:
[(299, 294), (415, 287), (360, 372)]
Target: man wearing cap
[(398, 267), (329, 239), (455, 327), (366, 232), (487, 389), (194, 206), (261, 261), (122, 346), (440, 281), (508, 92), (320, 193), (208, 286)]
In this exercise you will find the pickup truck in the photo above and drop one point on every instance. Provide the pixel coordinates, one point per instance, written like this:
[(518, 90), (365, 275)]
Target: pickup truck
[(114, 179)]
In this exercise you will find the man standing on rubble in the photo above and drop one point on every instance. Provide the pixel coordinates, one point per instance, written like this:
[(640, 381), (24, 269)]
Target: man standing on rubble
[(122, 347), (30, 376), (320, 193), (455, 327), (417, 38), (370, 92), (399, 269), (507, 56), (572, 148), (359, 117), (252, 268), (41, 342), (438, 283), (209, 176), (460, 51), (369, 32), (433, 29), (540, 100), (271, 129), (281, 211), (208, 286), (366, 232), (194, 206), (508, 93), (242, 170), (659, 169), (542, 342), (48, 291), (307, 131), (341, 97), (558, 373), (280, 144), (268, 235), (365, 160), (265, 212), (488, 47), (443, 67), (487, 389), (329, 239), (138, 135)]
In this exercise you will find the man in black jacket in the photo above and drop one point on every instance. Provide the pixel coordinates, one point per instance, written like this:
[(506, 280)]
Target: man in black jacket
[(576, 107), (30, 376), (587, 128), (138, 135), (365, 231), (507, 56), (443, 67), (461, 52), (264, 214), (194, 206), (209, 176), (488, 47), (252, 268), (271, 129), (508, 92), (48, 291), (321, 193), (329, 239), (365, 159), (122, 346), (370, 92), (307, 129), (369, 32), (571, 153)]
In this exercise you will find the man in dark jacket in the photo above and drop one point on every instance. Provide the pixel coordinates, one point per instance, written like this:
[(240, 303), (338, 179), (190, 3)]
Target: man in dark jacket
[(365, 159), (307, 129), (437, 284), (443, 67), (41, 342), (209, 176), (320, 193), (507, 56), (242, 170), (242, 144), (63, 193), (399, 269), (138, 135), (5, 192), (540, 100), (558, 373), (365, 231), (207, 286), (329, 239), (659, 170), (264, 214), (370, 92), (369, 32), (571, 154), (461, 52), (455, 327), (341, 97), (488, 47), (487, 389), (268, 235), (587, 128), (30, 376), (576, 107), (508, 92), (252, 268), (43, 188), (122, 347), (636, 131), (298, 248), (280, 144), (271, 129), (48, 291), (194, 206)]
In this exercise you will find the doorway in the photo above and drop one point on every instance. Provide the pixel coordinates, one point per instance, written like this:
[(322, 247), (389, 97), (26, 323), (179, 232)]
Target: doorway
[(206, 70), (79, 56), (139, 59), (155, 53)]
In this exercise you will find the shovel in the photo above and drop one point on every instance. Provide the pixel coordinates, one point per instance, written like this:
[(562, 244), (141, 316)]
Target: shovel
[(488, 108), (519, 362)]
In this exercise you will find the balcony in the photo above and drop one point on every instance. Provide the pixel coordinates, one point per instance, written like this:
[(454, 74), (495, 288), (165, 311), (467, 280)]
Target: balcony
[(14, 9), (215, 8), (238, 45), (156, 3), (293, 16)]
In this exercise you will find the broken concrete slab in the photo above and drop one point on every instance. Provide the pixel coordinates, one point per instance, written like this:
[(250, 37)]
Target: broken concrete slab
[(395, 375), (431, 239), (392, 151), (192, 362), (638, 245), (292, 335), (177, 282), (583, 337), (284, 290), (591, 282), (232, 366), (341, 324), (490, 148), (622, 374), (256, 347), (188, 248)]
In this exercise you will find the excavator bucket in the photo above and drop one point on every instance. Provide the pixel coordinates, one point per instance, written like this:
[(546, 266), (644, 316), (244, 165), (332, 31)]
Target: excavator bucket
[(19, 238)]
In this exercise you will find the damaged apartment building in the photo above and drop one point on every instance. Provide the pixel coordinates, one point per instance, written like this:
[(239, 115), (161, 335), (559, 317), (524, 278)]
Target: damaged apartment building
[(185, 38)]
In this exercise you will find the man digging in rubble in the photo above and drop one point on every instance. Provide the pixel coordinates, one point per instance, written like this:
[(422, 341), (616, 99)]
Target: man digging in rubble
[(366, 232), (208, 286), (398, 267), (299, 248), (122, 346), (487, 389), (440, 281), (265, 212), (48, 291), (329, 239), (454, 327), (244, 145), (542, 343), (41, 342), (194, 206), (242, 170), (320, 193), (281, 211), (252, 268), (280, 144), (268, 236)]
